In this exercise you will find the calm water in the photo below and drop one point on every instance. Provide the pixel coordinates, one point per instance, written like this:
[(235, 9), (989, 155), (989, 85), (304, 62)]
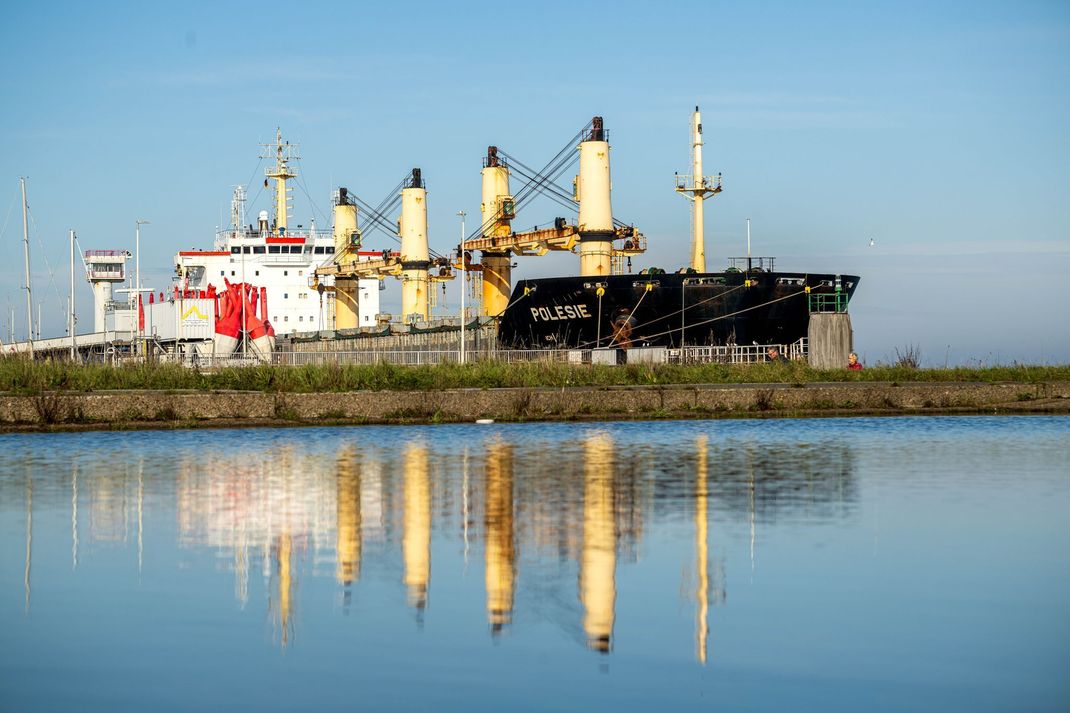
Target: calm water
[(864, 564)]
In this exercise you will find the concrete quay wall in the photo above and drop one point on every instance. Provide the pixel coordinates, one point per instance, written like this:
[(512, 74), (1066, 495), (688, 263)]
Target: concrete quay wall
[(155, 409)]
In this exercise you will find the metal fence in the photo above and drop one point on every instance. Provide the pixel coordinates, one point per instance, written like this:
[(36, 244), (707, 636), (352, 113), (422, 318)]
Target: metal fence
[(737, 354)]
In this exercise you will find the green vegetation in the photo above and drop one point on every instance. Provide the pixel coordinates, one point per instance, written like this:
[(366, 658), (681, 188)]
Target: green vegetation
[(23, 377)]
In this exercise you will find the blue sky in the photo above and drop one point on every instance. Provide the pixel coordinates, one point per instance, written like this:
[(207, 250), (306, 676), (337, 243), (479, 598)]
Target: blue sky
[(937, 129)]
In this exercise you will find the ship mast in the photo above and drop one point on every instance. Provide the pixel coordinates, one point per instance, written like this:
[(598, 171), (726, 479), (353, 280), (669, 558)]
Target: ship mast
[(697, 188), (283, 153)]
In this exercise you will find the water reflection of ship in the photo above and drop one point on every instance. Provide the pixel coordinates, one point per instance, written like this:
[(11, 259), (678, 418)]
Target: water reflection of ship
[(581, 517), (771, 481)]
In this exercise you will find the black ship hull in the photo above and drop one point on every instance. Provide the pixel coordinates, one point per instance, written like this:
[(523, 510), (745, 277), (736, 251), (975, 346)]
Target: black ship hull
[(669, 309)]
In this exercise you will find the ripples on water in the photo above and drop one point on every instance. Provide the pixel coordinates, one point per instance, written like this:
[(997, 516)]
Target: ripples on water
[(869, 563)]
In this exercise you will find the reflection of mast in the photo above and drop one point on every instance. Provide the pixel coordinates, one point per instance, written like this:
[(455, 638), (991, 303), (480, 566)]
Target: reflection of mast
[(283, 556), (500, 547), (598, 564), (140, 506), (348, 535), (29, 537), (701, 550), (241, 574), (74, 517), (464, 505), (416, 540), (751, 498)]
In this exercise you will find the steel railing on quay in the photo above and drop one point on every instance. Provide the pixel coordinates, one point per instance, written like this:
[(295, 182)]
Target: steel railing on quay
[(736, 354)]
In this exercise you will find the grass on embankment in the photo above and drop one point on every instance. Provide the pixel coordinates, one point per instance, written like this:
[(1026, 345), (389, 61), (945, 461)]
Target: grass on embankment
[(18, 375)]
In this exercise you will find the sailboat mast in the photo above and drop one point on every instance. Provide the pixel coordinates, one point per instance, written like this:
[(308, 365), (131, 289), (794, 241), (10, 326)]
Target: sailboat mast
[(26, 247), (70, 302)]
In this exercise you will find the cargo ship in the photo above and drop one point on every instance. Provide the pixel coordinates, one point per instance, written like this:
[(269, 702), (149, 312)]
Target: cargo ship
[(307, 285), (748, 303)]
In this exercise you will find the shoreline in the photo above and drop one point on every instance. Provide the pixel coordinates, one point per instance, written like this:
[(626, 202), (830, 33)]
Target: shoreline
[(58, 411)]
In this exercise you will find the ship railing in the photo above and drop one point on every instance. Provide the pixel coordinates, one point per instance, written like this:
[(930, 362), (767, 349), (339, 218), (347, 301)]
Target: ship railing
[(749, 264), (738, 353), (106, 253), (399, 357), (827, 301), (688, 182), (208, 361), (733, 354)]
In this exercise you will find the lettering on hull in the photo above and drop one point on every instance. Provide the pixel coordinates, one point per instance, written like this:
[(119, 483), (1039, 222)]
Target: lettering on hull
[(558, 313)]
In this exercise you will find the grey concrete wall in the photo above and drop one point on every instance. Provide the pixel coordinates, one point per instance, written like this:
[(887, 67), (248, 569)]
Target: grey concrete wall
[(128, 408), (831, 340)]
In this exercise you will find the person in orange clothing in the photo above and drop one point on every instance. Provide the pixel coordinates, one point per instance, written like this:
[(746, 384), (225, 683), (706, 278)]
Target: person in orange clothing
[(852, 362)]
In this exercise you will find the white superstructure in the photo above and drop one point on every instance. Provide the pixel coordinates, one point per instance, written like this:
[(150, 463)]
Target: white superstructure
[(272, 255)]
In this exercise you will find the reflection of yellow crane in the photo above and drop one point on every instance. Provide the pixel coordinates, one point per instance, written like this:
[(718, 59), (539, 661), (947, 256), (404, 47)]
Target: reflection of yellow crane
[(500, 547), (284, 563), (416, 523), (348, 537), (598, 563)]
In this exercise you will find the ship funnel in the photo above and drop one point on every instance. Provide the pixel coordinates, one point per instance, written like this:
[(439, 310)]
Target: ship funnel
[(415, 258), (596, 213)]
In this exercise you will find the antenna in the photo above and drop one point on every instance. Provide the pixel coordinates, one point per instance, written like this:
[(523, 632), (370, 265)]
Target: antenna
[(748, 245)]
